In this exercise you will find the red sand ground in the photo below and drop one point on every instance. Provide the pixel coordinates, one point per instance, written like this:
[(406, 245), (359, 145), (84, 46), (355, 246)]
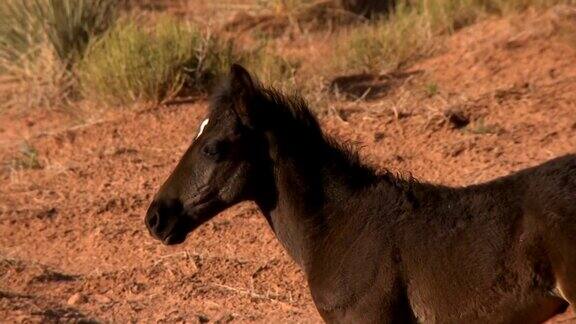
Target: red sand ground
[(73, 245)]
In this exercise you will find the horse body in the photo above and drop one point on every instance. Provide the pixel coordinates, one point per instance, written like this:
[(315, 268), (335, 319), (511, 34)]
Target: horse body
[(395, 250), (377, 248)]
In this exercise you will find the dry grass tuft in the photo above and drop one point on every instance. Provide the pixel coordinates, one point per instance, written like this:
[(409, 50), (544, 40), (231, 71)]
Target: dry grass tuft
[(408, 33), (414, 29), (42, 40), (272, 69), (26, 159), (293, 18)]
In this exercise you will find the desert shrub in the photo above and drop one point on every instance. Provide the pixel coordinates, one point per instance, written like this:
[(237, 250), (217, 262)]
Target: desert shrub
[(270, 68), (133, 63), (26, 159), (64, 25), (410, 30), (42, 40), (292, 18), (70, 24), (168, 59), (387, 44), (20, 30)]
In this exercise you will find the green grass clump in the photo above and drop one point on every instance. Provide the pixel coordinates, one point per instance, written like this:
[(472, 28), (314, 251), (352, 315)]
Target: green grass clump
[(168, 59), (131, 63), (432, 89)]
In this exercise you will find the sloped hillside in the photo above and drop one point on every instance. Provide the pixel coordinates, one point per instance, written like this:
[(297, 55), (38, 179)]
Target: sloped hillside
[(500, 96)]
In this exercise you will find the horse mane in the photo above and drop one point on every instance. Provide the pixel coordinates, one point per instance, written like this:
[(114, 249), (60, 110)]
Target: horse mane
[(292, 110), (291, 107)]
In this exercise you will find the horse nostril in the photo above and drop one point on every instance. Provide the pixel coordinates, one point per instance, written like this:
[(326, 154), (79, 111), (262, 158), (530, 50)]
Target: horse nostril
[(162, 215), (153, 219)]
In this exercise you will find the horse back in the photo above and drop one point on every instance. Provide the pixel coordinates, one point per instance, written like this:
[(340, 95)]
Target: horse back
[(463, 249)]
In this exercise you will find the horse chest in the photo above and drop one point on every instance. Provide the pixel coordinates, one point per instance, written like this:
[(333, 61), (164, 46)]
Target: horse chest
[(290, 234)]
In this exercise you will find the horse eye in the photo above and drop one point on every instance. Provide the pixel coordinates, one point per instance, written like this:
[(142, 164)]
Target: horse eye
[(210, 150), (216, 149)]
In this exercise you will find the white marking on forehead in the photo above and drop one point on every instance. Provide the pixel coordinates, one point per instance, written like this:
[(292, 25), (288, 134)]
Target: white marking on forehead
[(204, 123)]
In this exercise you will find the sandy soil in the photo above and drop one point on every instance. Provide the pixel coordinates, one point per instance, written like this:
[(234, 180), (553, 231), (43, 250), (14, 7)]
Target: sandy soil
[(73, 246)]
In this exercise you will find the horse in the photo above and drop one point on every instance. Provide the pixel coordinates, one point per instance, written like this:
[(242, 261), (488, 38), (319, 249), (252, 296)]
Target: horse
[(376, 247)]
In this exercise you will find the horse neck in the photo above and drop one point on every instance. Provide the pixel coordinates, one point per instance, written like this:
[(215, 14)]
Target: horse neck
[(316, 184)]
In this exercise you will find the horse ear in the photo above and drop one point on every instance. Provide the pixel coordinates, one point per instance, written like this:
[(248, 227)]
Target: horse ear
[(241, 80), (243, 89)]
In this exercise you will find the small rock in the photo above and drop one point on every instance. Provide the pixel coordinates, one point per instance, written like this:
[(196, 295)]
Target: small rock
[(457, 119), (49, 213), (137, 288), (226, 318), (455, 150), (102, 299), (76, 299), (398, 158), (202, 318)]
